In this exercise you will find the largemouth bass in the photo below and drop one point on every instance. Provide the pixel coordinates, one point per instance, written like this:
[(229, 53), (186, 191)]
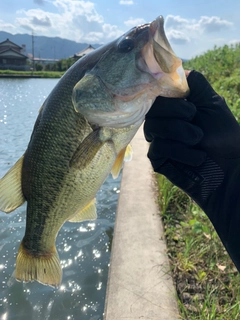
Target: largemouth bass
[(81, 135)]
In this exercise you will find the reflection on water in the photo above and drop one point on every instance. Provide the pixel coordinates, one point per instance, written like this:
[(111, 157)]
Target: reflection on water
[(84, 248)]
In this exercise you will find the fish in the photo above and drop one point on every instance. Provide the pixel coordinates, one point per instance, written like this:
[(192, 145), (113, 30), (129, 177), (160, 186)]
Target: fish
[(81, 135)]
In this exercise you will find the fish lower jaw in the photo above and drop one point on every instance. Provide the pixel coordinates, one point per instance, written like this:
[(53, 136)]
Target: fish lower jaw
[(123, 117), (118, 120)]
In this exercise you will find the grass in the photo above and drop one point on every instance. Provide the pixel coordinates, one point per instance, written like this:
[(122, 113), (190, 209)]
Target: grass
[(206, 280), (40, 74)]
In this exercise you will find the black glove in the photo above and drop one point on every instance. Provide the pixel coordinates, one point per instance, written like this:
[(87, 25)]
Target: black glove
[(195, 143)]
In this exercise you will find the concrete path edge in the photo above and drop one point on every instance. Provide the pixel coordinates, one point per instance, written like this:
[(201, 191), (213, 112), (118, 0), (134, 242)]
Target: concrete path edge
[(140, 284)]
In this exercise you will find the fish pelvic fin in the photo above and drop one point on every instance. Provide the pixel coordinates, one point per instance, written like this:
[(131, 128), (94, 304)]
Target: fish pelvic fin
[(128, 153), (11, 195), (45, 269), (87, 213), (124, 155)]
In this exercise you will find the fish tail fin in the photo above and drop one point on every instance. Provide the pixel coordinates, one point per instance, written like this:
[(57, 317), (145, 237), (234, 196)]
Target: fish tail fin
[(45, 269)]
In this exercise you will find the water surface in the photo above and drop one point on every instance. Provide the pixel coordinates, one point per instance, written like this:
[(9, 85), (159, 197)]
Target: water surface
[(84, 248)]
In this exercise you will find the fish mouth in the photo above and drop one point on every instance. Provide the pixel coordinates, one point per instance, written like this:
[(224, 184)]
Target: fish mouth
[(160, 61), (138, 76)]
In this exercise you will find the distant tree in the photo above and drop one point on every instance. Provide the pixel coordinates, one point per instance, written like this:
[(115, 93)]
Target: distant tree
[(47, 67), (38, 67), (58, 65)]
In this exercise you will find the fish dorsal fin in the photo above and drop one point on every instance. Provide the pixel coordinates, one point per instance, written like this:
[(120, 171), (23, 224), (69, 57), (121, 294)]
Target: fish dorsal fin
[(87, 213), (124, 155), (11, 195)]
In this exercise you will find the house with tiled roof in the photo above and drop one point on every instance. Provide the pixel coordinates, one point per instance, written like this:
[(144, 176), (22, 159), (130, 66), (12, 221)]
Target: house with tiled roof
[(12, 56), (83, 52)]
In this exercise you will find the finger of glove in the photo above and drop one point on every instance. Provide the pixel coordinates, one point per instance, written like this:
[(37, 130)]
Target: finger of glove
[(162, 150), (172, 108), (201, 92), (172, 129)]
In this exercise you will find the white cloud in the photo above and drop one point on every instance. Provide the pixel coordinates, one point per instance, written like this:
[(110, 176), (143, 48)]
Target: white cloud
[(132, 22), (94, 37), (213, 24), (111, 31), (190, 37), (172, 22), (204, 25), (78, 8), (126, 2), (42, 22), (35, 19), (76, 20), (177, 37), (6, 26)]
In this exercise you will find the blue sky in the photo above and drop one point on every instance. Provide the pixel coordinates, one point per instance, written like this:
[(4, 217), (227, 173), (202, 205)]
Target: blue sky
[(192, 27)]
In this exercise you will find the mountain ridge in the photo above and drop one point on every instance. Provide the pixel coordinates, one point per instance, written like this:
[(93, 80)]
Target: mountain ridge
[(46, 47)]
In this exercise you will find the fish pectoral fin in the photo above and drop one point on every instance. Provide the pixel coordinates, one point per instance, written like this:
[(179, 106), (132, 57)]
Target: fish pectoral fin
[(124, 155), (87, 150), (11, 195), (44, 268), (87, 213)]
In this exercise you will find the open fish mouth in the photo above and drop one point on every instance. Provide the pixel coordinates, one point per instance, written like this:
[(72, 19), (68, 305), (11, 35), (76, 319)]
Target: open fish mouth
[(160, 61)]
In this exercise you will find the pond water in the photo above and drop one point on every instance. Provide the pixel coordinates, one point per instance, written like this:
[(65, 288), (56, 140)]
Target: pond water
[(84, 248)]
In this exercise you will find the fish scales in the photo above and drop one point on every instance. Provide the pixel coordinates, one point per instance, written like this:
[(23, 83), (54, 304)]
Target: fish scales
[(47, 160)]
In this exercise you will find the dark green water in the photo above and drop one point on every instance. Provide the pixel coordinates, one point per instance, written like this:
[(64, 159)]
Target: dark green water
[(84, 248)]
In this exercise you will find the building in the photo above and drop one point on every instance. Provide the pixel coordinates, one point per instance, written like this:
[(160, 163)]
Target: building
[(45, 61), (83, 52), (12, 56)]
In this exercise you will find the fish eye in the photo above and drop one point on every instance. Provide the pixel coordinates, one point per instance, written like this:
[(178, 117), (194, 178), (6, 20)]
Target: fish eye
[(126, 45)]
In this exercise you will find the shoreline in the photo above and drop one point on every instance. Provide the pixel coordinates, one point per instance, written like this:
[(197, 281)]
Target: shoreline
[(19, 76), (29, 75)]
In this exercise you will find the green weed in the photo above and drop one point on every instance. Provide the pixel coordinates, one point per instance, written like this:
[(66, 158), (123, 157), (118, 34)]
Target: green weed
[(207, 282)]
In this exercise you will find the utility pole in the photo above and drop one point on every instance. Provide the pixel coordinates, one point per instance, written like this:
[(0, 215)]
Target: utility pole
[(33, 62)]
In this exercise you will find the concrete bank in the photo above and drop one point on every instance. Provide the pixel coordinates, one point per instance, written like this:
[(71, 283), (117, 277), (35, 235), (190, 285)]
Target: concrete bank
[(139, 285)]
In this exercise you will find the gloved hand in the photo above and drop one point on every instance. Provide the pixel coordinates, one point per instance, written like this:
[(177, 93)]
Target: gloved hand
[(195, 143)]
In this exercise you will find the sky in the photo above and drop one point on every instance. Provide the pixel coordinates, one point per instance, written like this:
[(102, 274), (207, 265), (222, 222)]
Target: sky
[(192, 27)]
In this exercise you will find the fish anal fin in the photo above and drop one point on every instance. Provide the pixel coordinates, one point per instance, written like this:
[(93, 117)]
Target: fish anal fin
[(11, 195), (45, 269), (89, 212), (124, 155)]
